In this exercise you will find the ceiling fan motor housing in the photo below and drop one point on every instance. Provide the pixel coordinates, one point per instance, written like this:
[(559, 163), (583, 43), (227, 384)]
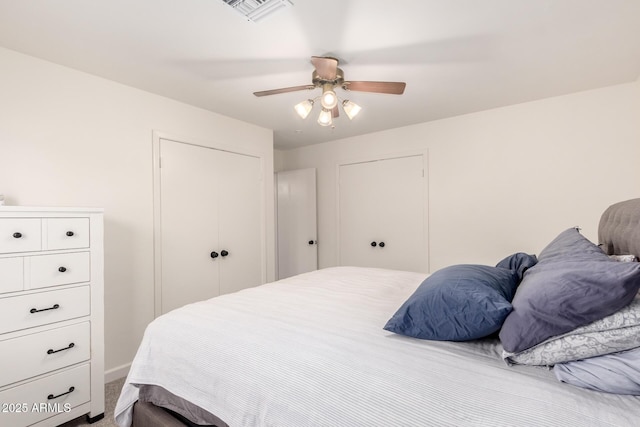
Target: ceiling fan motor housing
[(319, 81)]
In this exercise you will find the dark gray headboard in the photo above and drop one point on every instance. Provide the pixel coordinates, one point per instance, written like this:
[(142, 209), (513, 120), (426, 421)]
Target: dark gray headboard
[(619, 229)]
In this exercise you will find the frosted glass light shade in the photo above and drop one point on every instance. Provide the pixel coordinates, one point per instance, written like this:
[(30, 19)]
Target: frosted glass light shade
[(324, 119), (329, 99), (304, 108), (351, 108)]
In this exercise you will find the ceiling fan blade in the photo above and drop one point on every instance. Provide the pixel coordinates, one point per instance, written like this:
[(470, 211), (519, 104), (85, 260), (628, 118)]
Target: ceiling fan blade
[(284, 90), (335, 112), (326, 67), (394, 88)]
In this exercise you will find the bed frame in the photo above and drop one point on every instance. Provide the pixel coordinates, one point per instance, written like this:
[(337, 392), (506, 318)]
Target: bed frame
[(618, 233), (147, 415)]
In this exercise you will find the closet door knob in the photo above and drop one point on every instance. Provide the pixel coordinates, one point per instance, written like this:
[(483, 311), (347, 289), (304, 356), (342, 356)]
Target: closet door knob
[(69, 233), (17, 235), (312, 242), (62, 269), (224, 253), (214, 254), (381, 244), (374, 244)]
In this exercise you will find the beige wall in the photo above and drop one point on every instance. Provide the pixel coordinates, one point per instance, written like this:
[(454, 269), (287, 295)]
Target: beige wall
[(279, 158), (72, 139), (502, 180)]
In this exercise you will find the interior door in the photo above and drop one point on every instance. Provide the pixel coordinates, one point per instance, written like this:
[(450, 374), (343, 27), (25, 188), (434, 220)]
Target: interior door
[(381, 214), (239, 189), (400, 213), (189, 223), (297, 222), (359, 203)]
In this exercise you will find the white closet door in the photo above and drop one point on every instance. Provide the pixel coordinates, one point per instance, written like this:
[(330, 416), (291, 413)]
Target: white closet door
[(239, 221), (400, 212), (297, 228), (189, 223), (359, 200), (383, 202)]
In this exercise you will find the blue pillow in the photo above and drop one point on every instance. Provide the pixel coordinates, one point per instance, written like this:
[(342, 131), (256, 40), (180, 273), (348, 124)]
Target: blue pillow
[(574, 283), (457, 303), (519, 262)]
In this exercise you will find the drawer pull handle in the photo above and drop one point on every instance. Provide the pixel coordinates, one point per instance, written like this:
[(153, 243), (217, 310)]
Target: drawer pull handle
[(51, 351), (17, 235), (62, 269), (54, 307), (51, 396), (70, 233)]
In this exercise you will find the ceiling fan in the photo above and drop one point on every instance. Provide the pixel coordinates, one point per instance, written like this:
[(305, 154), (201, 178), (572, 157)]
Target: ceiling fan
[(328, 76)]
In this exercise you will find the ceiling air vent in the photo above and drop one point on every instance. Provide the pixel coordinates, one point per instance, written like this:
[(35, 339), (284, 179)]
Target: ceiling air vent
[(256, 10)]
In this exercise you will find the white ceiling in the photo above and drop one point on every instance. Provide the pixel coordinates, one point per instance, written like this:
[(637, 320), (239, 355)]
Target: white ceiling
[(456, 56)]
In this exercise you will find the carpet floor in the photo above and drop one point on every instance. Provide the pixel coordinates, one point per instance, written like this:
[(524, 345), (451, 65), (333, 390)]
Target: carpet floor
[(112, 391)]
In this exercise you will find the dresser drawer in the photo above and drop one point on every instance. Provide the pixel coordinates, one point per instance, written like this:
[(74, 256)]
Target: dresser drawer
[(46, 397), (11, 274), (20, 235), (67, 233), (27, 311), (59, 269), (44, 352)]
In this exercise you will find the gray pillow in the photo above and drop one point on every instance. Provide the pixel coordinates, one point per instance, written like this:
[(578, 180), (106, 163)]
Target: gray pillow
[(617, 373), (617, 332), (573, 284)]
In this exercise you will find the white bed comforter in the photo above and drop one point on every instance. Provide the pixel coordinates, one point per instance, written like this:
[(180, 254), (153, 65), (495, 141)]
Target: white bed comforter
[(310, 351)]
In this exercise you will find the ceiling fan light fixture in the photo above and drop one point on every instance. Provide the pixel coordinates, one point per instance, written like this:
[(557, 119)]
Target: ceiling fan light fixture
[(350, 108), (304, 108), (329, 99), (324, 119), (327, 76)]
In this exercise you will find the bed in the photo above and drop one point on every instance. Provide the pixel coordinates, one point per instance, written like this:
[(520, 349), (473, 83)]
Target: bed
[(311, 350)]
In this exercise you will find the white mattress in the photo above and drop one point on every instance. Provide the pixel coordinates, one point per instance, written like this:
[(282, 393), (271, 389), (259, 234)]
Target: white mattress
[(310, 351)]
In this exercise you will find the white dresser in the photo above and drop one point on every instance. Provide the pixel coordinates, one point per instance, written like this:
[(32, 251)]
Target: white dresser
[(51, 315)]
